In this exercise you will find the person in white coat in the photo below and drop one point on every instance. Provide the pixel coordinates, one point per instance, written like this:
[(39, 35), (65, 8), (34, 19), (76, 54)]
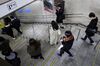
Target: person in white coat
[(54, 33)]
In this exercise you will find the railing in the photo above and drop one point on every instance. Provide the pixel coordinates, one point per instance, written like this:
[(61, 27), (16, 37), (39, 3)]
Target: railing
[(71, 24)]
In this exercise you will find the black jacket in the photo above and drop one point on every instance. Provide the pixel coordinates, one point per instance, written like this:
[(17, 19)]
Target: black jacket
[(92, 25), (15, 23), (7, 30), (68, 44), (59, 15)]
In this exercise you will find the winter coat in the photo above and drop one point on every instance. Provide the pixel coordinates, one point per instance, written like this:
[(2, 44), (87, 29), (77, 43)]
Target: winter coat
[(60, 16), (33, 51), (54, 35), (92, 26), (68, 44), (15, 23)]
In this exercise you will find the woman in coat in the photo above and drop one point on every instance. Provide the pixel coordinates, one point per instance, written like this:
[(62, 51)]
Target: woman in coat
[(54, 33), (34, 49)]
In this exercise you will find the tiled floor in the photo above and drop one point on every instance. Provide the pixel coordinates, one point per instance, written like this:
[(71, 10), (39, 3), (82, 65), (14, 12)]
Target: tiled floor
[(84, 53)]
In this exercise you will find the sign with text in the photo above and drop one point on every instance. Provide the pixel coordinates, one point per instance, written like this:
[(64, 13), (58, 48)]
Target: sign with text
[(12, 5)]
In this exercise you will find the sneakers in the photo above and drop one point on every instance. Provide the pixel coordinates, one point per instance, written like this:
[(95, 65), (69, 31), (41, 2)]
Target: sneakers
[(41, 57), (59, 54), (62, 27), (93, 43), (83, 39), (14, 38), (70, 55)]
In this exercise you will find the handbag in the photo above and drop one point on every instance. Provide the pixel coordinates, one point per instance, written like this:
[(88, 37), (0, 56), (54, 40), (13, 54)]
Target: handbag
[(92, 30)]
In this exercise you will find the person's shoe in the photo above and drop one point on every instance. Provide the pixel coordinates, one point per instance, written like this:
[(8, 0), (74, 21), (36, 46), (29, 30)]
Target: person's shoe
[(52, 44), (14, 38), (59, 54), (62, 27), (57, 43), (93, 43), (42, 57), (70, 55), (21, 33), (32, 57), (83, 39)]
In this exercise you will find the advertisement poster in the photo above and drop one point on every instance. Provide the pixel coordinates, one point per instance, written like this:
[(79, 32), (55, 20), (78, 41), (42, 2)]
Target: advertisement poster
[(48, 5)]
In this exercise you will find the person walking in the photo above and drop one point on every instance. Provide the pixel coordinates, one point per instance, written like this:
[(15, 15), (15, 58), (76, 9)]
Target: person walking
[(15, 23), (54, 33), (91, 28), (60, 16), (8, 29), (67, 42)]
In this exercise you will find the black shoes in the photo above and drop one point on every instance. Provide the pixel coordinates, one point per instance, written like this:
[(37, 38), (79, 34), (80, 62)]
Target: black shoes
[(41, 57), (83, 39), (59, 54), (70, 55), (62, 27)]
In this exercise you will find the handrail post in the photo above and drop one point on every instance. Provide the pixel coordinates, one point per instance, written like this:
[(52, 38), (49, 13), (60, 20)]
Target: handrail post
[(78, 34), (70, 27), (96, 45)]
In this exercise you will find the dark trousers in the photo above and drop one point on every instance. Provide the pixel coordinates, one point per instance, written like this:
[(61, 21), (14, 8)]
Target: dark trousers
[(89, 37), (38, 56), (11, 34), (18, 29), (64, 49)]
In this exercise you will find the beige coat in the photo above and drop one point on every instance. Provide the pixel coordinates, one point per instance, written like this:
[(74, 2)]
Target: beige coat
[(54, 35)]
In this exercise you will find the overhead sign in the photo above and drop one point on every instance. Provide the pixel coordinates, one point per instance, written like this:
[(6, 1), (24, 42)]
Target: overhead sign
[(12, 5)]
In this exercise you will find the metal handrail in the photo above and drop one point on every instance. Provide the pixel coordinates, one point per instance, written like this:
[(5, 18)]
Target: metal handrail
[(77, 24)]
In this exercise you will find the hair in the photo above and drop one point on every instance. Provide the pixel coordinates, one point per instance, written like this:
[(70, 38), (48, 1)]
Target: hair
[(7, 20), (68, 33), (91, 14), (33, 42), (54, 25), (12, 17)]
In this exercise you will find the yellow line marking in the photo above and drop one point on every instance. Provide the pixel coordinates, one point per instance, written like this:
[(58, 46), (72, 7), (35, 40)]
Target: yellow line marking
[(52, 63), (43, 64), (98, 47)]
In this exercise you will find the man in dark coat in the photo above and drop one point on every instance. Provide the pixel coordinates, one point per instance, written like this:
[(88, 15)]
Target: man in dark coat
[(8, 29), (15, 23), (91, 28), (59, 14)]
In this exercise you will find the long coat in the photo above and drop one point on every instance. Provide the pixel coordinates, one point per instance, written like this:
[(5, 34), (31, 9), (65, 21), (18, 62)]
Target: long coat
[(54, 35), (92, 25), (32, 51)]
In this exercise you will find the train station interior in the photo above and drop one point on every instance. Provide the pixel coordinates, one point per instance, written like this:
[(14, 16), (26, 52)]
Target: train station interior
[(35, 18)]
